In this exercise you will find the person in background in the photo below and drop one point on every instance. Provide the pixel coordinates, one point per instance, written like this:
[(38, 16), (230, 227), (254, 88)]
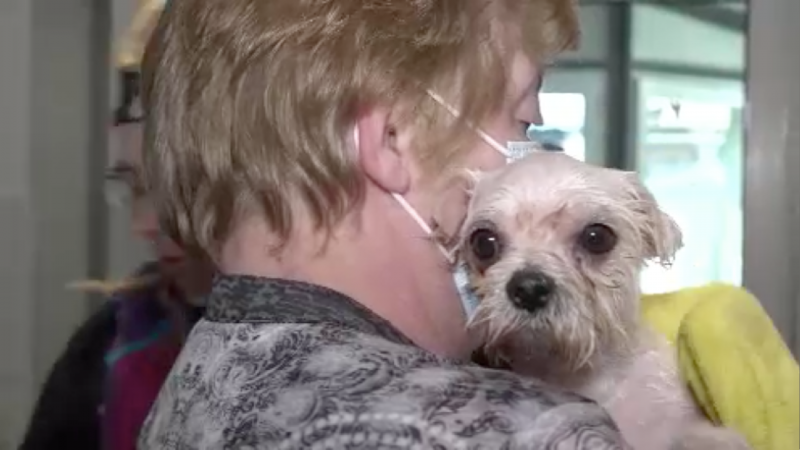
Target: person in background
[(101, 388)]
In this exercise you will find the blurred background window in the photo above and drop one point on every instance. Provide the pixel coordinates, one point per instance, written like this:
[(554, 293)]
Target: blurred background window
[(658, 87)]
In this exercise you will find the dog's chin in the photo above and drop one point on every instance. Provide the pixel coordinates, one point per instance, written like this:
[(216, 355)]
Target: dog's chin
[(550, 341)]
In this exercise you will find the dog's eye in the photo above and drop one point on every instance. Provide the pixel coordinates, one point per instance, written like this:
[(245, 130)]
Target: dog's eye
[(485, 246), (598, 239)]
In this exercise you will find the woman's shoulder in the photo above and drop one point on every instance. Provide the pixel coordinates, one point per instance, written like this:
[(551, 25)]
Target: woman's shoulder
[(395, 386)]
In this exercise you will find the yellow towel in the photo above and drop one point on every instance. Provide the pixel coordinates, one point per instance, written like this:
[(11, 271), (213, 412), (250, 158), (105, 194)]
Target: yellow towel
[(737, 365)]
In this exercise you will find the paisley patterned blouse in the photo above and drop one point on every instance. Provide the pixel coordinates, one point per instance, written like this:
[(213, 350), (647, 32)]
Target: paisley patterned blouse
[(279, 364)]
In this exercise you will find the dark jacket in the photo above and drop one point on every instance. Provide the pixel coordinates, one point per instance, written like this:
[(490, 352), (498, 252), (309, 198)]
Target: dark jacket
[(67, 412), (113, 359)]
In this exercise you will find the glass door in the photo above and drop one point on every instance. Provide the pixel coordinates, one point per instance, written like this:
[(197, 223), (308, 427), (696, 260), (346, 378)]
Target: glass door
[(689, 154), (565, 122), (573, 104)]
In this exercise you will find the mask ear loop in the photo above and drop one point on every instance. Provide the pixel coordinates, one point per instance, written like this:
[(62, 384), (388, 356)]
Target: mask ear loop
[(485, 136), (408, 208), (448, 255)]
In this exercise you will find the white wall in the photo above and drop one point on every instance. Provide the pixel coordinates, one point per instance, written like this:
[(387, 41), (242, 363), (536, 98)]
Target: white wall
[(772, 203), (16, 220), (45, 140)]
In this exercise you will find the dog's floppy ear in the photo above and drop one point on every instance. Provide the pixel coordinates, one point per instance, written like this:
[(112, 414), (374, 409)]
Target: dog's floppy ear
[(451, 210), (661, 235)]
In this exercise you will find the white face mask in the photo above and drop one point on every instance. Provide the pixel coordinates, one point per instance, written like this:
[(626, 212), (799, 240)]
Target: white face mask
[(513, 151), (469, 301)]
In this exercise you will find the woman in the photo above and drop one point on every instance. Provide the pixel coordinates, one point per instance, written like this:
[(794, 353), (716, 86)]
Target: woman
[(100, 390)]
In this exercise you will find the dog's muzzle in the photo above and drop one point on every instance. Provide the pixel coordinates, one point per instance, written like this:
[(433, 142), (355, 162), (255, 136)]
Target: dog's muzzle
[(530, 289)]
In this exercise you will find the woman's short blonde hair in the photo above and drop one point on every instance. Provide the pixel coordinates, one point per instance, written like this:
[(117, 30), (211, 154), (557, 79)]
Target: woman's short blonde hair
[(250, 103)]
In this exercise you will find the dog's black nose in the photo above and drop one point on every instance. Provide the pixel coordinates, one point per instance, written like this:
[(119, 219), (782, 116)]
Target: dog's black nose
[(530, 289)]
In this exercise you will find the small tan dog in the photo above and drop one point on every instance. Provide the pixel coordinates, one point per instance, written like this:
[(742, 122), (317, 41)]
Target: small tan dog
[(554, 248)]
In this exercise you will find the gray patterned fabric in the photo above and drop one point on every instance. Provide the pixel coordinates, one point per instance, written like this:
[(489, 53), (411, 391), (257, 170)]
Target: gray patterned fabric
[(286, 365)]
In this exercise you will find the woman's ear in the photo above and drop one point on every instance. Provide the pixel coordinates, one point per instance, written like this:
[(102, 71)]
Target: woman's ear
[(380, 156)]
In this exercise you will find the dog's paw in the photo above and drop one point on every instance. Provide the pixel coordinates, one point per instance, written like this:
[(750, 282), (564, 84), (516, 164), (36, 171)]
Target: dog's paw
[(710, 438)]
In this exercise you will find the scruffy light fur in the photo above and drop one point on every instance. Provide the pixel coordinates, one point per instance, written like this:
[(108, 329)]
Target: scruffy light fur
[(590, 337)]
